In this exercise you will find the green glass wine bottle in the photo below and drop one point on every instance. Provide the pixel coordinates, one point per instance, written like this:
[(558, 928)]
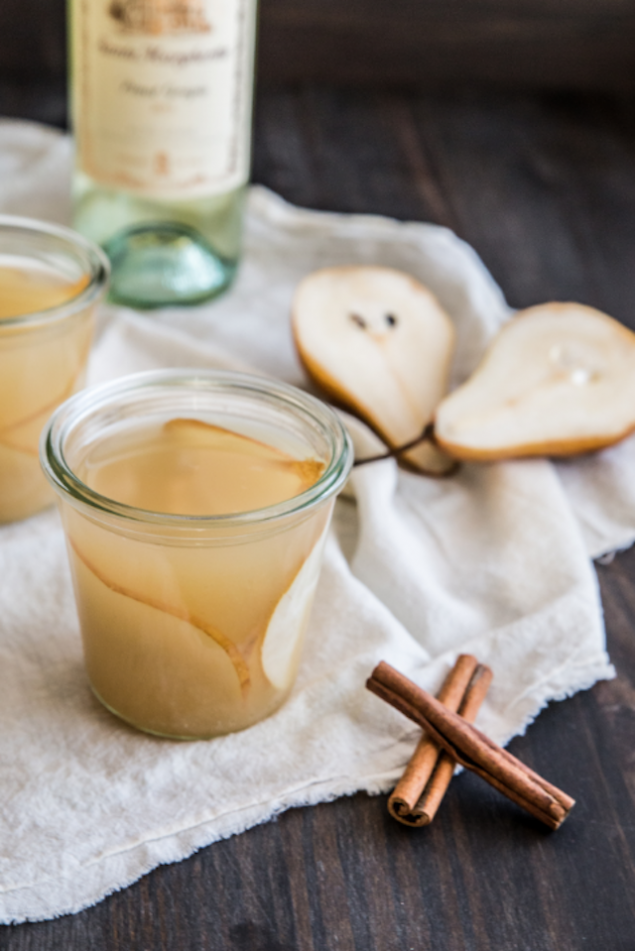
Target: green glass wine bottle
[(161, 99)]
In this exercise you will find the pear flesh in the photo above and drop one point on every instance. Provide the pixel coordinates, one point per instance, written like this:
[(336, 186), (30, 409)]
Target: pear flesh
[(558, 379), (283, 637), (380, 344)]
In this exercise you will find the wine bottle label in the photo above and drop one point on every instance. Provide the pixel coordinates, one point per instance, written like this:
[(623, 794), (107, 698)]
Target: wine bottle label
[(162, 94)]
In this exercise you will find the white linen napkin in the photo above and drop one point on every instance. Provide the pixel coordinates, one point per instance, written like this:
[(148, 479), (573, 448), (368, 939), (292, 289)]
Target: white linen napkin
[(494, 561)]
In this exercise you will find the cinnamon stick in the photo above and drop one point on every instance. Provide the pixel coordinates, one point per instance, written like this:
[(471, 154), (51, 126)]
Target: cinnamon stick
[(468, 746), (408, 803), (432, 795)]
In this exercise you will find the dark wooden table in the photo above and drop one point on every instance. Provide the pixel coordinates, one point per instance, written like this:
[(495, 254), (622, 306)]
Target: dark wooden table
[(544, 188)]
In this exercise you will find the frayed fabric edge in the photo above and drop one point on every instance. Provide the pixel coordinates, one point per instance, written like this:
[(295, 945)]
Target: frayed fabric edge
[(606, 555), (176, 847), (542, 697)]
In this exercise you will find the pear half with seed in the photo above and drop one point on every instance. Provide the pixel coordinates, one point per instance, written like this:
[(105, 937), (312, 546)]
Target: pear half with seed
[(380, 345), (558, 379)]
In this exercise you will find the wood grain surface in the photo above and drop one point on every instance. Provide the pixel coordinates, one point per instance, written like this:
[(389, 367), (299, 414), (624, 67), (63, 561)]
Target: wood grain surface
[(544, 188), (568, 44)]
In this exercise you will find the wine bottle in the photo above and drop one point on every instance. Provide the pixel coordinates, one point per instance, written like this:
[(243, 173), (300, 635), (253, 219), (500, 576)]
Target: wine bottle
[(161, 96)]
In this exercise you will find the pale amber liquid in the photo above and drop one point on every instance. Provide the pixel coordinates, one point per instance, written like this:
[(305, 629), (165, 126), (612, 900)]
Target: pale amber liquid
[(40, 366), (27, 290), (178, 636)]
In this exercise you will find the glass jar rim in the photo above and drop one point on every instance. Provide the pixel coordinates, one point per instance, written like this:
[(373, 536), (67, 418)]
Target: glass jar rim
[(82, 405), (98, 270)]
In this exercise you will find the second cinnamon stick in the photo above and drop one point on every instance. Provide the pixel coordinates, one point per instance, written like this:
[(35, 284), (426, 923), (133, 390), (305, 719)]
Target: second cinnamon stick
[(418, 794), (433, 794), (402, 803)]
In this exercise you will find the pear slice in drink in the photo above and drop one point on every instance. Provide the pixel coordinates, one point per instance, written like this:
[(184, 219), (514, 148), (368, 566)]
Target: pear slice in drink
[(157, 603), (196, 467), (288, 622), (558, 379), (261, 472), (380, 345)]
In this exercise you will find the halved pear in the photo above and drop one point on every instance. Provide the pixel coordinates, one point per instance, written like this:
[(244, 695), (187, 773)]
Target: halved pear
[(558, 379), (283, 637), (380, 344)]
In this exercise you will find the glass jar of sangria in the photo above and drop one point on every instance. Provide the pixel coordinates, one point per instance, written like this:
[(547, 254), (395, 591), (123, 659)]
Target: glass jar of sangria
[(196, 506), (50, 282)]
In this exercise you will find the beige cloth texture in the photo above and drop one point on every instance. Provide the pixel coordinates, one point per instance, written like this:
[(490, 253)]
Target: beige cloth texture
[(495, 560)]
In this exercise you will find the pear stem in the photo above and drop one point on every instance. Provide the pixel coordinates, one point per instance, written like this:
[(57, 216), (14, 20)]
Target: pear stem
[(427, 432)]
